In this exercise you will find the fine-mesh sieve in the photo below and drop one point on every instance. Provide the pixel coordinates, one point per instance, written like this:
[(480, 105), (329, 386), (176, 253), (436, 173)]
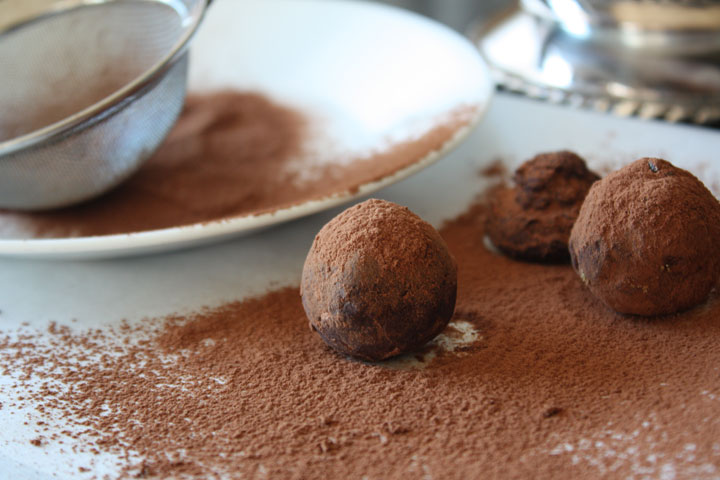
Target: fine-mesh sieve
[(88, 90)]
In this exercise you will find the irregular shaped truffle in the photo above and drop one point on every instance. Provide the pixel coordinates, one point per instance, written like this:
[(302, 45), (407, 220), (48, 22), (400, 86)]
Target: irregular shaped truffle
[(646, 239), (532, 221), (378, 281)]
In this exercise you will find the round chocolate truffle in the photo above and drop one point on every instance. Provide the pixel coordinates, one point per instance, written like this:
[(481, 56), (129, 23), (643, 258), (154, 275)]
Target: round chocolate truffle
[(646, 239), (532, 220), (378, 281)]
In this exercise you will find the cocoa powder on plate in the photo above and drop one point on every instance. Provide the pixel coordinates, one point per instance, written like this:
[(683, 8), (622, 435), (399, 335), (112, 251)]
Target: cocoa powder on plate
[(554, 385), (231, 154)]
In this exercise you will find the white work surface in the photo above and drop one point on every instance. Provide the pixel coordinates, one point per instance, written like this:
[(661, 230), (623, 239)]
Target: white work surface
[(98, 293)]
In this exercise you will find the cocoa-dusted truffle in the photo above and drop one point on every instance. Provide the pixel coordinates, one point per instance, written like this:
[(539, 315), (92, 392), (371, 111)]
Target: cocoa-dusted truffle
[(646, 239), (378, 281), (532, 221)]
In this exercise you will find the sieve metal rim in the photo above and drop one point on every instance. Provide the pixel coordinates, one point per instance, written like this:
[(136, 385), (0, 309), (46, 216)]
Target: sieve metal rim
[(135, 88)]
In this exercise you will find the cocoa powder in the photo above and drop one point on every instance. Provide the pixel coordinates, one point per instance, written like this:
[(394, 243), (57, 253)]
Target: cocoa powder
[(230, 154), (554, 385)]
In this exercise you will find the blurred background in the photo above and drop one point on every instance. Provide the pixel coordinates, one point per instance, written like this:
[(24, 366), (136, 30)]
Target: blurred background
[(654, 59), (458, 14)]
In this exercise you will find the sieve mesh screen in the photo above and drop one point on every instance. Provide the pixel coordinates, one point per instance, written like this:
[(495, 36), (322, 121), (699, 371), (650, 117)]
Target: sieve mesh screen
[(57, 66)]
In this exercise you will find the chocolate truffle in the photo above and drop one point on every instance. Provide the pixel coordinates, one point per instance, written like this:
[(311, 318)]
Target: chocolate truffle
[(378, 281), (532, 220), (646, 239)]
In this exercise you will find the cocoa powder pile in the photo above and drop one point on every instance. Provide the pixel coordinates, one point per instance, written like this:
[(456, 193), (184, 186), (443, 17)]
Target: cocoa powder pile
[(554, 386), (230, 154)]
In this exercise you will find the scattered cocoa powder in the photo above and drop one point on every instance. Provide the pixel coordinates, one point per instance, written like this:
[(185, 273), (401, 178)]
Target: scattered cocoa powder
[(554, 385), (37, 442), (495, 169), (230, 154)]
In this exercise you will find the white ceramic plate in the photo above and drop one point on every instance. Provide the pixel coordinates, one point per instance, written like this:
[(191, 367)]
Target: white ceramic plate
[(371, 71)]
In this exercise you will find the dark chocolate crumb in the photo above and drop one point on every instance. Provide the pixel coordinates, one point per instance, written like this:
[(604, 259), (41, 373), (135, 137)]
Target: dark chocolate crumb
[(552, 411), (38, 441), (495, 170)]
